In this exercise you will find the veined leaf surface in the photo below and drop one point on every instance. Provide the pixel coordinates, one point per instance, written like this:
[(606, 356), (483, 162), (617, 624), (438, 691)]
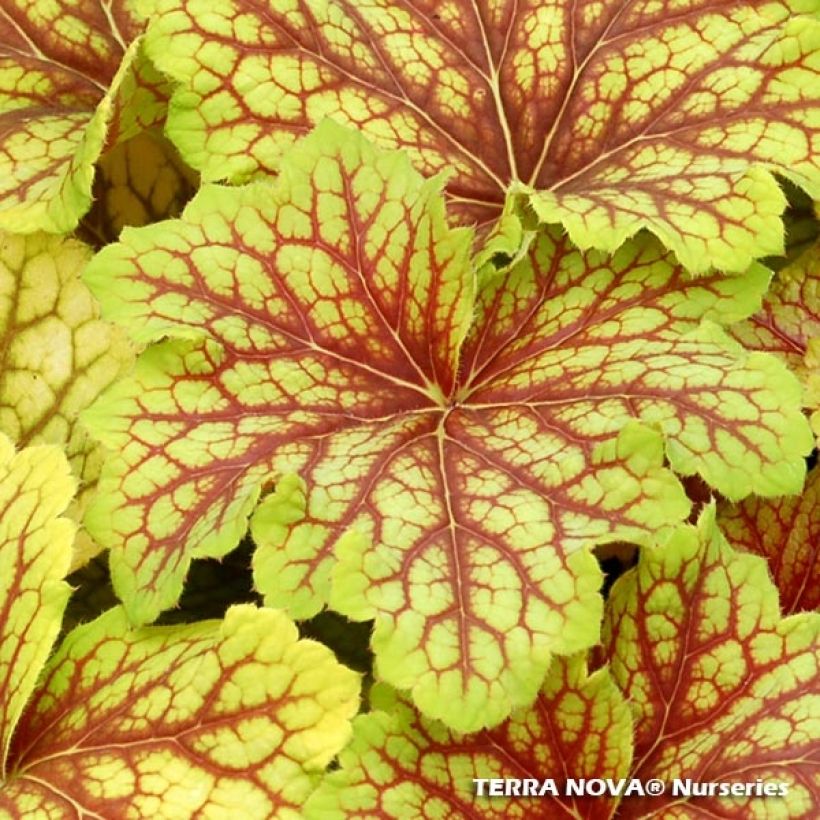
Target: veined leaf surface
[(72, 80), (35, 552), (443, 457), (618, 115), (402, 765), (786, 532), (811, 394), (790, 315), (56, 355), (722, 688), (214, 719), (788, 324)]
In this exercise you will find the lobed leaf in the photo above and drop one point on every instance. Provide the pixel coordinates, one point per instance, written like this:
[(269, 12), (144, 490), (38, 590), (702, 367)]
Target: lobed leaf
[(443, 459), (786, 532), (73, 81), (788, 324), (616, 115), (790, 315), (633, 335), (722, 689), (400, 764), (232, 718), (35, 552), (56, 355)]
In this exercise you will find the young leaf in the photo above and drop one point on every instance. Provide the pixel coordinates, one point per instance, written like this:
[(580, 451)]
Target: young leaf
[(35, 551), (786, 532), (56, 355), (214, 719), (617, 115), (314, 328), (402, 765), (722, 688), (72, 81)]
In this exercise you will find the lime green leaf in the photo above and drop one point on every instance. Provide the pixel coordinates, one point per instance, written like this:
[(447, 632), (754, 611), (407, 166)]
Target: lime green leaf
[(214, 719), (443, 460), (811, 395), (402, 765), (617, 116), (212, 586), (35, 551), (600, 328), (788, 324), (288, 544), (70, 85), (56, 355), (786, 532), (723, 690), (790, 314), (506, 243)]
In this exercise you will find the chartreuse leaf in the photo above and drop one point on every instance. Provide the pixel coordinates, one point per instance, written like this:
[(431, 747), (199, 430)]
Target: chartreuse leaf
[(442, 459), (811, 395), (722, 688), (788, 324), (615, 115), (790, 315), (401, 765), (624, 336), (72, 81), (786, 532), (56, 355), (214, 719), (35, 552)]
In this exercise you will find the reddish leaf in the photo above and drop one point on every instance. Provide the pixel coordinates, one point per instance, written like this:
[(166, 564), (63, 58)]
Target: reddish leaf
[(790, 315), (72, 82), (231, 718), (786, 532), (723, 692), (449, 489), (620, 115), (400, 765), (722, 689)]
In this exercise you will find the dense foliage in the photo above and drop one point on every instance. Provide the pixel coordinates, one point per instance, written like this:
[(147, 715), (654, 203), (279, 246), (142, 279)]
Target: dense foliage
[(400, 396)]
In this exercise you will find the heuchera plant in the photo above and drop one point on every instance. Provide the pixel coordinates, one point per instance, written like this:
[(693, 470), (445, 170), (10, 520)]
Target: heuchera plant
[(420, 307), (156, 721)]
